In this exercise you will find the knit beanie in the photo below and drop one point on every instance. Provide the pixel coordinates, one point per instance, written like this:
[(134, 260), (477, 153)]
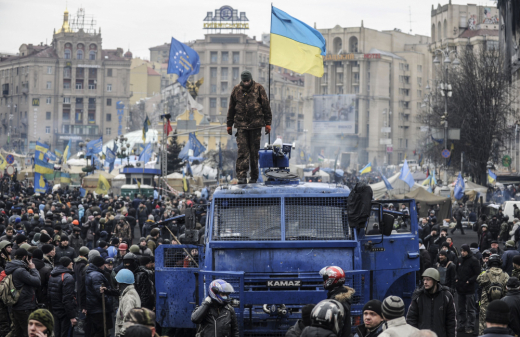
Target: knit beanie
[(512, 283), (36, 237), (306, 314), (65, 261), (144, 260), (44, 238), (21, 252), (98, 261), (393, 307), (37, 254), (443, 252), (20, 238), (102, 244), (465, 248), (83, 251), (497, 312), (93, 253), (374, 305), (246, 76), (46, 248), (64, 238), (516, 259), (44, 317)]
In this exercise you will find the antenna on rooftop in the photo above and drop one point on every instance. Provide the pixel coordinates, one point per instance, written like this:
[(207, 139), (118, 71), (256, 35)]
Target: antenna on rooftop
[(410, 18)]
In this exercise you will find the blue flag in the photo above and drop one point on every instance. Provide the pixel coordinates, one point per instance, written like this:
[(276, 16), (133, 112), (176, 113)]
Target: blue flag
[(183, 61), (97, 162), (196, 146), (110, 159), (39, 183), (50, 156), (188, 169), (387, 183), (458, 191), (82, 191), (406, 175), (66, 152), (94, 146), (184, 154), (146, 155)]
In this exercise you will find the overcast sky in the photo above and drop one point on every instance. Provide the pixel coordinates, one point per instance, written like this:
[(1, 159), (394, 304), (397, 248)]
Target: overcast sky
[(139, 25)]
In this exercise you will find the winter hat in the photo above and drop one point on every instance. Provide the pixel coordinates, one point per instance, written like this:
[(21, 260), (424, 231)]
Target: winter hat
[(92, 254), (36, 237), (91, 217), (102, 244), (154, 232), (44, 238), (44, 317), (83, 251), (20, 238), (445, 244), (465, 248), (306, 314), (64, 238), (25, 246), (246, 76), (142, 239), (513, 283), (102, 220), (37, 254), (46, 248), (144, 260), (473, 245), (65, 261), (141, 316), (114, 241), (516, 259), (150, 217), (98, 261), (510, 243), (443, 253), (498, 312), (393, 307), (21, 252), (374, 305)]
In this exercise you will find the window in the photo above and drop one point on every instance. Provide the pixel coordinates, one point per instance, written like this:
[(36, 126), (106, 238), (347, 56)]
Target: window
[(66, 100), (66, 72), (492, 45), (419, 93), (109, 117), (79, 54), (419, 81), (235, 73), (47, 129), (109, 87), (236, 57), (79, 85), (48, 100), (66, 115), (67, 54), (249, 58), (109, 101), (48, 115), (225, 57), (224, 87), (92, 55), (213, 72), (224, 103), (213, 89), (49, 85), (419, 68), (66, 85), (108, 131), (91, 117), (65, 128), (224, 73), (212, 102), (109, 72), (214, 57), (49, 70)]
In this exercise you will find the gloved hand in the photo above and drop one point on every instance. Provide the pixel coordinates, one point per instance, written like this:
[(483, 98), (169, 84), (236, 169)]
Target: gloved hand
[(229, 130), (207, 300), (267, 129)]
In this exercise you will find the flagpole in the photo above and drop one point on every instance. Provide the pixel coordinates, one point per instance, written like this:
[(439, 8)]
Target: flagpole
[(269, 69)]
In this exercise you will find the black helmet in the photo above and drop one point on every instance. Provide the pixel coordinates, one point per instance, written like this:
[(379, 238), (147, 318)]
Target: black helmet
[(330, 315), (495, 261), (129, 256), (486, 253)]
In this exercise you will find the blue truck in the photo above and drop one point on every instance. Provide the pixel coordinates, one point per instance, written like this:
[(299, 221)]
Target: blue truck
[(271, 240)]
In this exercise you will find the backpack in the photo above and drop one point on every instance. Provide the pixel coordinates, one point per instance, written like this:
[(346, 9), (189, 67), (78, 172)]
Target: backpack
[(8, 293), (494, 291)]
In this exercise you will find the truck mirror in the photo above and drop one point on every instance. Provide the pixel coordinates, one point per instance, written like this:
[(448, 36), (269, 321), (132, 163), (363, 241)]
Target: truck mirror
[(386, 224)]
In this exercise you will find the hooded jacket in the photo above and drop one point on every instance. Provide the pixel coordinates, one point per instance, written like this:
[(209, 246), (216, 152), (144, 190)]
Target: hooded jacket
[(76, 242), (496, 332), (343, 295), (95, 279), (316, 331), (467, 271), (25, 277), (215, 320), (62, 296), (397, 328), (435, 311), (128, 300)]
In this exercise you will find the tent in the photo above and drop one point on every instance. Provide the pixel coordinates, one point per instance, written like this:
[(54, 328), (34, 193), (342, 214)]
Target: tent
[(428, 199), (90, 182), (379, 189), (471, 190)]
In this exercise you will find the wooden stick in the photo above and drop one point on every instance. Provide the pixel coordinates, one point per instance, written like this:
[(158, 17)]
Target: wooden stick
[(175, 238)]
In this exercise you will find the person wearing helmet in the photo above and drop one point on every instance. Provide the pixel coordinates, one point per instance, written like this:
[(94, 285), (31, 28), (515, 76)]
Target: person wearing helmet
[(128, 298), (327, 319), (333, 281), (433, 307), (507, 256), (485, 238), (492, 283), (130, 262), (215, 317)]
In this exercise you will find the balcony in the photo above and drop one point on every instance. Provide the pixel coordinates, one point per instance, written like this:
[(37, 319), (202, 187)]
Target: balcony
[(355, 69), (77, 121), (66, 76), (80, 75), (262, 64), (91, 106), (92, 87)]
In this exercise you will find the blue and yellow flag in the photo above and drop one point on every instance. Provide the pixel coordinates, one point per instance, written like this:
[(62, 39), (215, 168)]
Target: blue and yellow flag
[(66, 153), (295, 45), (492, 178), (42, 147), (39, 183), (65, 178), (138, 183), (41, 166), (145, 127), (3, 162), (183, 61), (366, 169)]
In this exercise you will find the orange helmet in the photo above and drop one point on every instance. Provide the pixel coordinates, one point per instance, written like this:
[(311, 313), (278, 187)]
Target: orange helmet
[(30, 211), (123, 246), (75, 222)]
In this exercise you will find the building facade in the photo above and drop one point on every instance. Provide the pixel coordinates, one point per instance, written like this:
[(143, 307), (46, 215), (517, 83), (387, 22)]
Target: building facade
[(370, 95), (69, 90), (145, 81), (509, 11)]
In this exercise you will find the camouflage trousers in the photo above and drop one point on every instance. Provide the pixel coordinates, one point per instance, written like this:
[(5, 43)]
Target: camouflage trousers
[(248, 142), (482, 318)]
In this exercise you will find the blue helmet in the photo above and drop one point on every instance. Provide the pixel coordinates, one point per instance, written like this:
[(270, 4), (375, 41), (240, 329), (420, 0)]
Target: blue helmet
[(219, 291), (125, 276)]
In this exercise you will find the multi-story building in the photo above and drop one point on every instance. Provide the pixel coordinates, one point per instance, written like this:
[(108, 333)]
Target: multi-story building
[(510, 38), (145, 81), (72, 89), (370, 95)]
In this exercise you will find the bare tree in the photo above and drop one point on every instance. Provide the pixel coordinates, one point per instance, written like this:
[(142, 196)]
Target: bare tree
[(482, 106)]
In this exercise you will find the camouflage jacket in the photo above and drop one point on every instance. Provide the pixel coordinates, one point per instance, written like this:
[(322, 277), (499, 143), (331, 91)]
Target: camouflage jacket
[(249, 108), (485, 279), (516, 273)]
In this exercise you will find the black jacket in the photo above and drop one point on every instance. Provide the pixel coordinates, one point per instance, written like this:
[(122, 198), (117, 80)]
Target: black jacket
[(513, 301), (343, 295), (424, 260), (80, 265), (93, 281), (61, 292), (361, 331), (145, 287), (296, 330), (76, 243), (450, 274), (485, 241), (25, 277), (467, 271), (435, 311), (215, 320), (64, 251), (496, 332), (45, 274), (315, 331)]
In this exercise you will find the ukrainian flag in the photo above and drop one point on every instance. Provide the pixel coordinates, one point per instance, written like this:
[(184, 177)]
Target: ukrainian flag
[(65, 178), (492, 178), (43, 167), (41, 147), (295, 45), (66, 153), (366, 169)]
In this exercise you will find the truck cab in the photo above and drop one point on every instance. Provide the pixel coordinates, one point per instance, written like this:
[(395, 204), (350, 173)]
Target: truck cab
[(271, 241)]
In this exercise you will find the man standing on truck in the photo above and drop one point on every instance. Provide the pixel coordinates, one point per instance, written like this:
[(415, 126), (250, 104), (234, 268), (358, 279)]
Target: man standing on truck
[(249, 111), (333, 281)]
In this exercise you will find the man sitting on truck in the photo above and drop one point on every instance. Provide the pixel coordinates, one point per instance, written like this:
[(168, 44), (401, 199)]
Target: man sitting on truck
[(333, 281)]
